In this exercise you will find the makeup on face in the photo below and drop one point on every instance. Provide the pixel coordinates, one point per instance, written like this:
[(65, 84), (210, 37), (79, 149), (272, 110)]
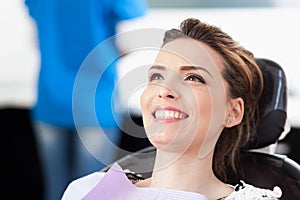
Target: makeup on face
[(185, 95)]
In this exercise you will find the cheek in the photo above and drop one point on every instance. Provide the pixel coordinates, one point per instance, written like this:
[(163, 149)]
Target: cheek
[(203, 105), (203, 114), (145, 100)]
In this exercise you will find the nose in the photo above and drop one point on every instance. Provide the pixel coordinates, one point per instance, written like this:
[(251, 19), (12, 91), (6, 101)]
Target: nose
[(166, 93)]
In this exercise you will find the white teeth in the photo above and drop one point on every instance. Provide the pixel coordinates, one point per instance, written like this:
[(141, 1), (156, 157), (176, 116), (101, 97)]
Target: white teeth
[(176, 115), (169, 114)]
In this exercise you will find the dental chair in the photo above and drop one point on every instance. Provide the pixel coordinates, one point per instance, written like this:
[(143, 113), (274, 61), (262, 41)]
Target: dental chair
[(262, 168)]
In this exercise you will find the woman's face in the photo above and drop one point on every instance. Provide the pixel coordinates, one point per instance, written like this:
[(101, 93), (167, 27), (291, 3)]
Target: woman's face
[(184, 103)]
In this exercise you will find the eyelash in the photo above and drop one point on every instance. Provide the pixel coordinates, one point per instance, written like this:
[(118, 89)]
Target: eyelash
[(190, 77), (195, 77), (155, 76)]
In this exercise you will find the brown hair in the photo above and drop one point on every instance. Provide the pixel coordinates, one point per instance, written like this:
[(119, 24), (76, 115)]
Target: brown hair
[(244, 79)]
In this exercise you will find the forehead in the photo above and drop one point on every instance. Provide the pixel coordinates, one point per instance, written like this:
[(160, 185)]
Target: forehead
[(187, 51)]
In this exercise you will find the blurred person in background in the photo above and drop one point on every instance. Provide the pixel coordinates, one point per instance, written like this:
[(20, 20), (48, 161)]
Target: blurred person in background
[(68, 31), (18, 66)]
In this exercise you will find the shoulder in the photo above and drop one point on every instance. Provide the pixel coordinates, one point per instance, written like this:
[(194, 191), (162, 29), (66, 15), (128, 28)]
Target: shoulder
[(244, 191), (78, 188)]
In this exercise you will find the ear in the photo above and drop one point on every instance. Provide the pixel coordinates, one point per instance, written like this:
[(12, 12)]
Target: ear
[(235, 112)]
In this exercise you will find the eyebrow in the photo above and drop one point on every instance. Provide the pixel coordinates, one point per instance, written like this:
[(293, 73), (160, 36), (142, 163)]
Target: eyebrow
[(183, 68), (159, 67), (189, 68)]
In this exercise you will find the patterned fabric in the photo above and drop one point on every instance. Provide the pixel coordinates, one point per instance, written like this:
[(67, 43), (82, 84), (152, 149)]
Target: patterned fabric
[(133, 177), (243, 191)]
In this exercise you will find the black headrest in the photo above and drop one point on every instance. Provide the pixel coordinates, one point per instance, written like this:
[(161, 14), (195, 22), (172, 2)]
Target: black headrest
[(272, 105)]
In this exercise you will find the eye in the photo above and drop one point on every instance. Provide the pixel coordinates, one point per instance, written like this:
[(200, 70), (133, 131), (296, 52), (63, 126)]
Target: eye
[(155, 76), (195, 78)]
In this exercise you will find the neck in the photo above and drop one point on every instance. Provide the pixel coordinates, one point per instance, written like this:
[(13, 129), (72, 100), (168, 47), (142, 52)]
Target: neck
[(187, 172)]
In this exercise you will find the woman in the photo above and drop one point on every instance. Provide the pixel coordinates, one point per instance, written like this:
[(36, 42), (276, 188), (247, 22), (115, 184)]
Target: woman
[(198, 109)]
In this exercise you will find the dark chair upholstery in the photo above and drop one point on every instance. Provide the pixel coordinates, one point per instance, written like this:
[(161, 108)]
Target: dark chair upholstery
[(272, 105), (257, 168)]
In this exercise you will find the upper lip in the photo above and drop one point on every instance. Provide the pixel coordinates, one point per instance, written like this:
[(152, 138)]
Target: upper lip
[(168, 112)]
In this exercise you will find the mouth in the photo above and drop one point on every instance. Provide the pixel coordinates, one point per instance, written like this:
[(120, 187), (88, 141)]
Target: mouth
[(169, 114)]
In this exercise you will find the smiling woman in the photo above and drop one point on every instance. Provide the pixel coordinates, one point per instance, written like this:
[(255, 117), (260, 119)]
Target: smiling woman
[(199, 108), (177, 85)]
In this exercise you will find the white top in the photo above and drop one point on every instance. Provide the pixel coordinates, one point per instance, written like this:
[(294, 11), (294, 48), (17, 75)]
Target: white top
[(114, 185), (19, 55)]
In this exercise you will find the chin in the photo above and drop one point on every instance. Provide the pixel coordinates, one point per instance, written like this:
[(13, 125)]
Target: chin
[(158, 143), (170, 146)]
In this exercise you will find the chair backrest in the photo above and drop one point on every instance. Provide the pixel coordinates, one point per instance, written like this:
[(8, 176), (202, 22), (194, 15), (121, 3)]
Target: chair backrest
[(272, 105), (257, 168), (263, 169), (269, 170)]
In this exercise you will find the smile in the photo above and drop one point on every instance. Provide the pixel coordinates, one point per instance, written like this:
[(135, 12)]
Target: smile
[(169, 114)]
